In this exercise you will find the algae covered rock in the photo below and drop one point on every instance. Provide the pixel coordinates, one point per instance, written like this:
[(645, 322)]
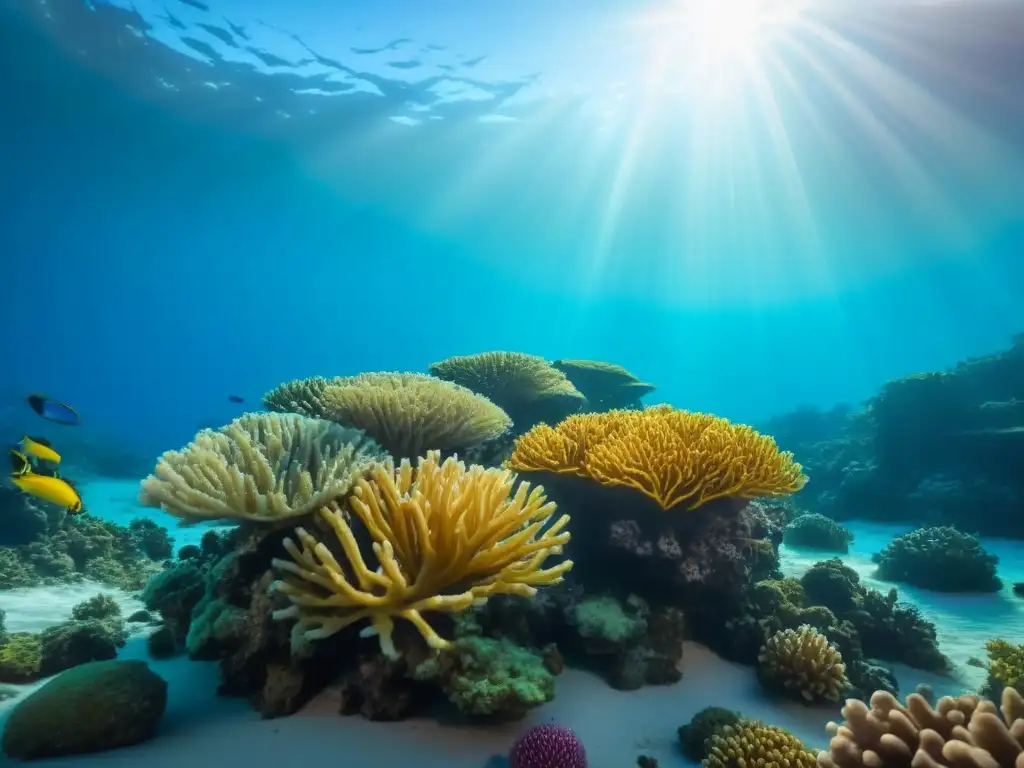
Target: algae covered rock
[(92, 708)]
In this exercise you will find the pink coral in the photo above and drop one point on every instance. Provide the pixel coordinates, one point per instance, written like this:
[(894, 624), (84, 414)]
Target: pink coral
[(548, 746)]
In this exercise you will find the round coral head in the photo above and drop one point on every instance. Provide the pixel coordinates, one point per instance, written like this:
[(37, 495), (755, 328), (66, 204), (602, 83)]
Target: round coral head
[(548, 746)]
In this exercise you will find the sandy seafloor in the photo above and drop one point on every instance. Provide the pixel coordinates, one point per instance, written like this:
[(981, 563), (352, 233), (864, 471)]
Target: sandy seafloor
[(200, 729)]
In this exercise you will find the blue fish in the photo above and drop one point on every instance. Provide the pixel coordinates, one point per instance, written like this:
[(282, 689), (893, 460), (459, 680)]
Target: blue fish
[(52, 410)]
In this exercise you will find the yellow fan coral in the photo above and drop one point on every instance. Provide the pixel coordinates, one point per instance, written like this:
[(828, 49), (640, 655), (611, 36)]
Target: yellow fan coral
[(966, 732), (410, 413), (803, 661), (750, 744), (445, 537), (675, 457), (512, 380), (263, 467)]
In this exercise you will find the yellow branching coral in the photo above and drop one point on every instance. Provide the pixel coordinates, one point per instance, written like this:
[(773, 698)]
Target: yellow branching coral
[(263, 467), (965, 732), (1005, 664), (445, 537), (804, 662), (750, 744), (411, 413), (675, 457), (512, 380)]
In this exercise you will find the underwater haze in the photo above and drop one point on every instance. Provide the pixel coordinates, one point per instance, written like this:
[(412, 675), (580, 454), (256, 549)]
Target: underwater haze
[(209, 199), (512, 384)]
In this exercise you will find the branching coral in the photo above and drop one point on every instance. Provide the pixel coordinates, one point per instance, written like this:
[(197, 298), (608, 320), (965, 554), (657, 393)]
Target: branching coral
[(445, 537), (750, 743), (966, 732), (410, 413), (802, 661), (520, 384), (263, 467), (677, 458), (1005, 665)]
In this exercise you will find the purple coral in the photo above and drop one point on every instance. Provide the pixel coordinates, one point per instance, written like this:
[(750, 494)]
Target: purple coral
[(548, 746)]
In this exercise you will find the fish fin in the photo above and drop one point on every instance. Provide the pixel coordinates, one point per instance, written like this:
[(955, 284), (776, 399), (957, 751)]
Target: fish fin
[(19, 464), (39, 440)]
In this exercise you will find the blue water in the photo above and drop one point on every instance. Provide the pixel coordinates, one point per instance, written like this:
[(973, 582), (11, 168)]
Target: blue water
[(204, 199)]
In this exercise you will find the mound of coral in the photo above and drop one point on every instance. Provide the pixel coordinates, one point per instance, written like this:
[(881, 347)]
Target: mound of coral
[(939, 558), (814, 531)]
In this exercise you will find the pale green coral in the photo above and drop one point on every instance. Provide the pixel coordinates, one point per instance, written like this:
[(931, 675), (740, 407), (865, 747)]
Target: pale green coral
[(488, 677), (604, 618), (20, 658)]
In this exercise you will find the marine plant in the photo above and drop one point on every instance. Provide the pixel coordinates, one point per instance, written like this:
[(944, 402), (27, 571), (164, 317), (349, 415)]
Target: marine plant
[(940, 558), (606, 386), (677, 458), (407, 413), (814, 531), (262, 467), (602, 618), (964, 732), (445, 536), (803, 662), (751, 743), (526, 387)]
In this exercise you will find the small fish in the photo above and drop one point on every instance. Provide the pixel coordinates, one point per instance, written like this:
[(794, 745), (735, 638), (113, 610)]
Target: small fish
[(40, 448), (52, 489), (236, 399), (52, 410)]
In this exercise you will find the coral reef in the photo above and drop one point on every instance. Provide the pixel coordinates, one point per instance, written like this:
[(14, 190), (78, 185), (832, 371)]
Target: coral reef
[(938, 447), (92, 708), (77, 547), (528, 388), (750, 743), (966, 731), (548, 746), (814, 531), (939, 558), (262, 467), (803, 663), (445, 536)]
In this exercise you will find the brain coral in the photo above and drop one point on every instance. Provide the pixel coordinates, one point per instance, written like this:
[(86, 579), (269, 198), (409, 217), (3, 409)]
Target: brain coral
[(675, 457)]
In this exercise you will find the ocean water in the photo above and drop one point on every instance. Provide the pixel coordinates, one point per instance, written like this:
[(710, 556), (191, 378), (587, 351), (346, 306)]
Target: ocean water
[(763, 208)]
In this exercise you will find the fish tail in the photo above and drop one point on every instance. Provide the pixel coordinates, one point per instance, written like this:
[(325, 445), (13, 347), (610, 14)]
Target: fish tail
[(20, 465)]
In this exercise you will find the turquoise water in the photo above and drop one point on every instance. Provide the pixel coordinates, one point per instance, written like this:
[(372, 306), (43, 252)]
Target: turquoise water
[(763, 208)]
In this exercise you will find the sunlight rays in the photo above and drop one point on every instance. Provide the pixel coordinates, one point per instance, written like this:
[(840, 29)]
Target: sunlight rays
[(766, 148)]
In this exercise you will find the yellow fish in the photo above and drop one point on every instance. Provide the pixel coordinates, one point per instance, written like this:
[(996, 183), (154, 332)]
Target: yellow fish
[(52, 489), (40, 448)]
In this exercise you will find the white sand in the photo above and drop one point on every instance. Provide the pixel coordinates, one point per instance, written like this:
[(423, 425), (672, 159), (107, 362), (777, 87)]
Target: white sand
[(201, 730)]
